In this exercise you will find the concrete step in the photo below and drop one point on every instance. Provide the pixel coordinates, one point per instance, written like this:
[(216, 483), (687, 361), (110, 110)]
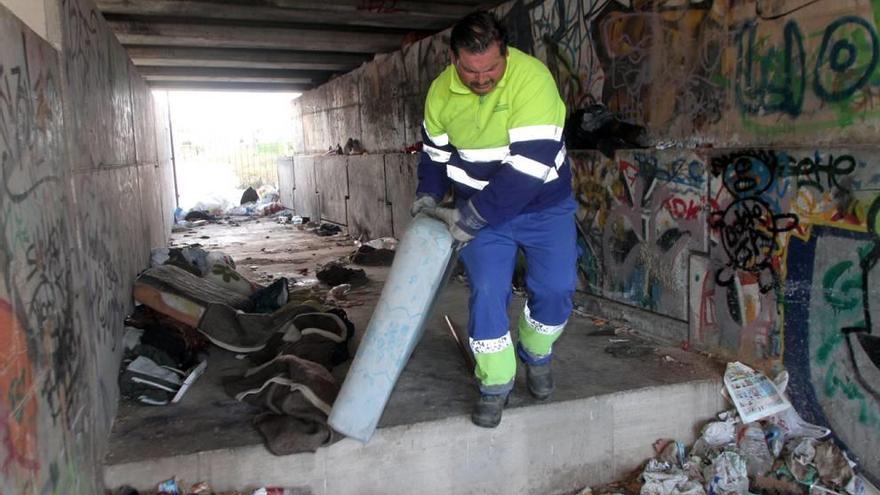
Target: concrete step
[(538, 448)]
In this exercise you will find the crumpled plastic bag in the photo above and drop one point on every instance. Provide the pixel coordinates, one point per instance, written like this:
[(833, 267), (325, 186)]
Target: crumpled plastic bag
[(718, 433), (799, 459), (665, 477), (670, 484), (727, 475), (789, 421)]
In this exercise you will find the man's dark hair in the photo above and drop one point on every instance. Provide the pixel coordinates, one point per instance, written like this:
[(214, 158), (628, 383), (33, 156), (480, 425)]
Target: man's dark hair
[(476, 33)]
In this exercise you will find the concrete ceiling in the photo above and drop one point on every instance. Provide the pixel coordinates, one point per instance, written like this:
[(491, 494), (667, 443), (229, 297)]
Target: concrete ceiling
[(268, 45)]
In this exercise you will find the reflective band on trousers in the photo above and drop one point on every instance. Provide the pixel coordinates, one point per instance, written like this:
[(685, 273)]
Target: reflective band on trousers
[(489, 346), (539, 327)]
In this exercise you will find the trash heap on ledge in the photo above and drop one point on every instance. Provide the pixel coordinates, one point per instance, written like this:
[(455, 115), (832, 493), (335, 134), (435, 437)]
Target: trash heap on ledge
[(761, 446)]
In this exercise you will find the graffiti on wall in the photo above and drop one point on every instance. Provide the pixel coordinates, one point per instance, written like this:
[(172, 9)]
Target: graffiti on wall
[(831, 344), (560, 34), (35, 258), (772, 255), (701, 71), (686, 88), (72, 237), (825, 70), (641, 215), (96, 71)]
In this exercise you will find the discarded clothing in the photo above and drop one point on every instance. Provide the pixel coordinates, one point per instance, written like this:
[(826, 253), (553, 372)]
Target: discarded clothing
[(369, 256), (182, 295), (198, 215), (235, 331), (328, 229), (322, 338), (148, 382), (596, 127), (156, 325), (335, 274), (271, 298), (283, 335), (192, 259), (298, 395)]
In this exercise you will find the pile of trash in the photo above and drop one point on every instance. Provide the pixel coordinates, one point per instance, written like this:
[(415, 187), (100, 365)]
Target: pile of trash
[(192, 301), (263, 202), (175, 487), (761, 446)]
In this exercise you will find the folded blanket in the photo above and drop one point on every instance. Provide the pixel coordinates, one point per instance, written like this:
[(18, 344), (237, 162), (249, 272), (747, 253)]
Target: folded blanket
[(319, 337), (251, 332), (298, 395)]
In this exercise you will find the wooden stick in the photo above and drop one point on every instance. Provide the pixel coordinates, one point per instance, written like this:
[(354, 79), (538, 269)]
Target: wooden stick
[(465, 352)]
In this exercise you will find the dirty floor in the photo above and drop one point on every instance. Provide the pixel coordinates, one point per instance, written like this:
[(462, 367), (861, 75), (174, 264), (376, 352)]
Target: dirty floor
[(593, 357)]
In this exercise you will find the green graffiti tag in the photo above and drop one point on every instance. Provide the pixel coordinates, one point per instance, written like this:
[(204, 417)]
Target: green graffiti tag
[(852, 391), (842, 298)]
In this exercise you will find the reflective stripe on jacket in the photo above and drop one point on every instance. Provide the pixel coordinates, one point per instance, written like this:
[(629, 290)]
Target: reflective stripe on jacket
[(503, 150)]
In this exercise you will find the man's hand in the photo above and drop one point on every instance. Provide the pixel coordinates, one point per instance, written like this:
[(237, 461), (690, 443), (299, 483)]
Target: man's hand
[(451, 217), (463, 223), (421, 203)]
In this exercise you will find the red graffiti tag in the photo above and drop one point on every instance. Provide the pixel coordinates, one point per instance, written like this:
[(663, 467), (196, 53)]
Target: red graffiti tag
[(679, 208)]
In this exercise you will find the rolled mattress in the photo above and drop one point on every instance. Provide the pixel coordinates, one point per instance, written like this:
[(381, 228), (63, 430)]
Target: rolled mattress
[(417, 274)]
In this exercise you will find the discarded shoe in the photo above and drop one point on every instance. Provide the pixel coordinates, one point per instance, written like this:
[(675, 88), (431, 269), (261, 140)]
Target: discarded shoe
[(540, 380), (487, 413)]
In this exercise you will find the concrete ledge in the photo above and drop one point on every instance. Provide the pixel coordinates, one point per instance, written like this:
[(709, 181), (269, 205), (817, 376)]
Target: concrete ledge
[(650, 324), (545, 448)]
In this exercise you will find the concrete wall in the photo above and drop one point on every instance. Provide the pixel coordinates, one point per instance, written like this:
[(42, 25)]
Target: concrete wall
[(784, 91), (86, 191)]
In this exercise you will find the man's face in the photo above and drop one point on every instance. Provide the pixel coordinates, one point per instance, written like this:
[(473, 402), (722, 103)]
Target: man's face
[(480, 71)]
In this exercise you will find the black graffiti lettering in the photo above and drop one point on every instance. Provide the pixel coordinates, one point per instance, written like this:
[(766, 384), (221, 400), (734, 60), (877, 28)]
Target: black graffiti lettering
[(821, 174), (748, 227)]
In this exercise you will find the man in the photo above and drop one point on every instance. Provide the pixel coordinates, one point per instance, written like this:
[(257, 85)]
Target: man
[(493, 133)]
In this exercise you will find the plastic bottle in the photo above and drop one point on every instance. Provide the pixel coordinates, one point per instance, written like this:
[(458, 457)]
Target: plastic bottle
[(753, 448), (775, 437)]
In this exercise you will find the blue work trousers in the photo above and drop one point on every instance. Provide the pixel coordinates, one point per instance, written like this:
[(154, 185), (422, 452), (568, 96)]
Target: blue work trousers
[(548, 241)]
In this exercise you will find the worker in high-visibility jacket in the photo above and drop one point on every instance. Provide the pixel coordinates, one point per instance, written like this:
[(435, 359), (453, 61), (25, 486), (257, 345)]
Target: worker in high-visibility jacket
[(493, 133)]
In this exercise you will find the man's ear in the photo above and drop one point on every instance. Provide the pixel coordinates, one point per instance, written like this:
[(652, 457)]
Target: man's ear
[(452, 57)]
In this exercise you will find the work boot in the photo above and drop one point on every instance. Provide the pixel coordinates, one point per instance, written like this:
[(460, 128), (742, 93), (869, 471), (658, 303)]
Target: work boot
[(540, 380), (487, 412)]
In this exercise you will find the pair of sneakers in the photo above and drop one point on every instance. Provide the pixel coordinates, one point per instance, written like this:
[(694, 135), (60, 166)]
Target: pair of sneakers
[(487, 412)]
